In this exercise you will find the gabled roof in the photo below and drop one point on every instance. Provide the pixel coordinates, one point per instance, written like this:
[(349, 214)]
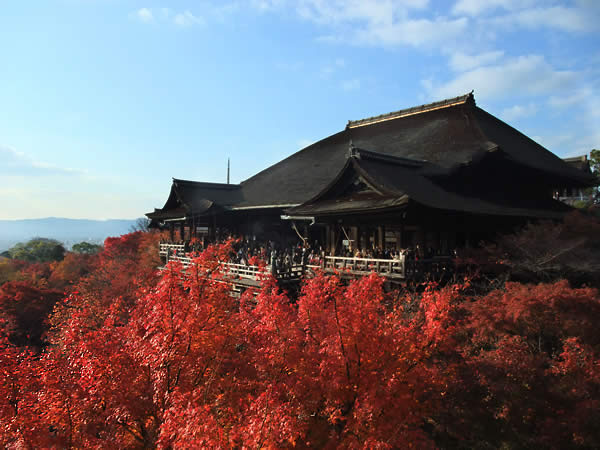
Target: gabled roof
[(192, 198), (580, 163), (447, 134), (395, 182), (460, 100), (194, 194)]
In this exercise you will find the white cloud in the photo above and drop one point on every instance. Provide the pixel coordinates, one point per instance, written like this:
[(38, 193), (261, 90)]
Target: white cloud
[(329, 69), (478, 7), (15, 163), (557, 17), (186, 19), (518, 111), (570, 99), (370, 11), (372, 22), (351, 85), (181, 19), (569, 144), (145, 15), (267, 5), (525, 75), (582, 16), (413, 32), (460, 61), (303, 143)]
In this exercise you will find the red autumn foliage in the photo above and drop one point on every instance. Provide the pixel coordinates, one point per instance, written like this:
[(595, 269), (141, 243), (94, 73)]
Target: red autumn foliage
[(174, 361), (71, 269), (535, 354), (24, 310)]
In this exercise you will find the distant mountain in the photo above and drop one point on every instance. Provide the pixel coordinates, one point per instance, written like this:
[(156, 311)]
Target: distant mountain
[(67, 231)]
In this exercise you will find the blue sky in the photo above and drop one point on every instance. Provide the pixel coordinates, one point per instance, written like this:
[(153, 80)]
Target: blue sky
[(103, 101)]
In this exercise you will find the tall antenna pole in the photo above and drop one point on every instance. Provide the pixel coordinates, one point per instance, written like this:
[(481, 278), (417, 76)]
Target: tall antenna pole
[(227, 170)]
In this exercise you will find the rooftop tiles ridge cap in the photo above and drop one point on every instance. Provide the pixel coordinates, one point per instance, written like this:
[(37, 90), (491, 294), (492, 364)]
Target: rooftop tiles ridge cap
[(462, 99)]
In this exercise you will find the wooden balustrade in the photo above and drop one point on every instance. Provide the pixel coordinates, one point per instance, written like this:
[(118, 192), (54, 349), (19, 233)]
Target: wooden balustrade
[(165, 248), (391, 268), (229, 269)]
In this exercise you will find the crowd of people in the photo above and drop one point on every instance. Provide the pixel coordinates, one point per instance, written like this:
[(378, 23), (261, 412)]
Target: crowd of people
[(280, 257)]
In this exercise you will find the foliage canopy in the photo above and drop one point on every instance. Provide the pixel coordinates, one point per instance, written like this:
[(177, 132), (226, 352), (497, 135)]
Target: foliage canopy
[(172, 360), (38, 250)]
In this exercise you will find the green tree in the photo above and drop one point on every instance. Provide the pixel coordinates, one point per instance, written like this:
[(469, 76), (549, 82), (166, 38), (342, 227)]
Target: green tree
[(86, 248), (595, 166), (38, 250), (595, 161)]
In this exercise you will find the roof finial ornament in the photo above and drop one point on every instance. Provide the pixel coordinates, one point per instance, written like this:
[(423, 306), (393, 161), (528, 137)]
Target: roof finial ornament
[(228, 170), (352, 150)]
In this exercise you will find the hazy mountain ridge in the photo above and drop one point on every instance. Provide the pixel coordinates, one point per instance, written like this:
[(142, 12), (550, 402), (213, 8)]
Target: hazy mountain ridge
[(68, 231)]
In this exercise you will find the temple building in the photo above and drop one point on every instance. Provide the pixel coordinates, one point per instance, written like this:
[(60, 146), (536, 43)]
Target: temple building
[(440, 176), (571, 194)]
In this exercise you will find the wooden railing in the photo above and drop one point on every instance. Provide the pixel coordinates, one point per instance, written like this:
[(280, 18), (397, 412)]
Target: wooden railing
[(165, 249), (389, 268), (241, 271), (230, 270), (392, 268)]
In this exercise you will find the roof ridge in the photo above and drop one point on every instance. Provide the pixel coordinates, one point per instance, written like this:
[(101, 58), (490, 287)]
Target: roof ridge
[(461, 99), (206, 184), (582, 158), (360, 153)]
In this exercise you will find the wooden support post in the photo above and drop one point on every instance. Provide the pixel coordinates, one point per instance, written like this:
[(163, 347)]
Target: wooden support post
[(172, 231), (334, 239), (420, 237)]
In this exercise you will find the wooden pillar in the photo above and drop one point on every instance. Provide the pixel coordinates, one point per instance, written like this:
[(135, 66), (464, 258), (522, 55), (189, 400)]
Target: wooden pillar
[(306, 233), (381, 233), (172, 231), (420, 237), (354, 237), (327, 246), (334, 239), (182, 230), (215, 225)]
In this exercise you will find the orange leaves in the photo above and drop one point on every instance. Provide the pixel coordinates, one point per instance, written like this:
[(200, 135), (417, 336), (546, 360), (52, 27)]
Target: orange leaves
[(176, 361)]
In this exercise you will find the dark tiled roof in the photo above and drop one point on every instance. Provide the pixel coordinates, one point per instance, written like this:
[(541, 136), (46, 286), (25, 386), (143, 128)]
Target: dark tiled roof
[(453, 133), (196, 198), (447, 135), (195, 194), (461, 100), (399, 183), (165, 214), (580, 163)]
